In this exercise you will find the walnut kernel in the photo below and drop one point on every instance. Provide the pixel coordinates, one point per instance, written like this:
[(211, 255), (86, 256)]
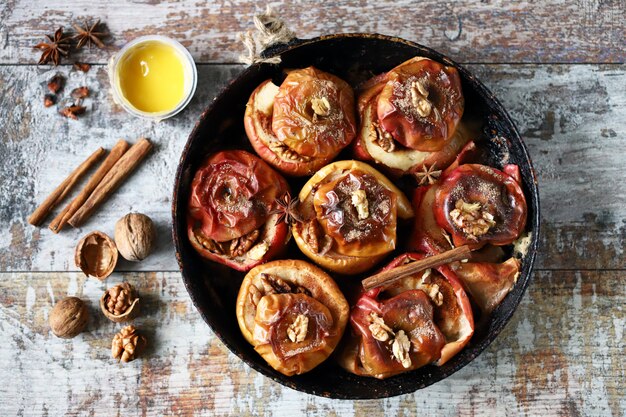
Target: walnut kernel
[(120, 303), (127, 344), (298, 329)]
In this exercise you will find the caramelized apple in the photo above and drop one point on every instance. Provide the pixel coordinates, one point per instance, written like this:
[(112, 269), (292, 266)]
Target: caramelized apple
[(421, 104), (303, 124), (229, 214), (392, 132), (453, 312), (477, 204), (349, 213), (293, 314), (394, 335)]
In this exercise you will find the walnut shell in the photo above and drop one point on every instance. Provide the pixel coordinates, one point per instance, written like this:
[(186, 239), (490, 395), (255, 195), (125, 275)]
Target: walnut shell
[(135, 236), (130, 303), (68, 317), (96, 255)]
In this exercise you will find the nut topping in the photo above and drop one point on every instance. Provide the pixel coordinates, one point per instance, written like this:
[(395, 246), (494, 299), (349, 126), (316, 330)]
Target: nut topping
[(400, 348), (254, 294), (127, 344), (472, 219), (321, 106), (419, 96), (285, 152), (274, 285), (380, 331), (242, 244), (209, 244), (258, 251), (298, 329), (384, 139), (359, 201)]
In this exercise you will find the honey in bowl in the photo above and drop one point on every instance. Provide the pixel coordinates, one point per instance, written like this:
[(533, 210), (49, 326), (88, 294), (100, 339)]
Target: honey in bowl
[(153, 77)]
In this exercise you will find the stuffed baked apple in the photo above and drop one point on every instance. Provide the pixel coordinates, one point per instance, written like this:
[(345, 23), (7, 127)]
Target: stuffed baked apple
[(477, 204), (230, 216), (293, 313), (301, 125), (410, 118), (424, 318), (348, 217)]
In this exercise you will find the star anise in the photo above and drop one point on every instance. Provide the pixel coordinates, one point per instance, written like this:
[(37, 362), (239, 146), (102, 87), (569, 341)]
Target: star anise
[(287, 209), (58, 45), (428, 175), (88, 35)]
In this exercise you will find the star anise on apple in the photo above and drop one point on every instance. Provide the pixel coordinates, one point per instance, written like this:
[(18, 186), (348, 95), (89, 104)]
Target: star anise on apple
[(57, 45), (428, 175), (287, 209), (88, 35)]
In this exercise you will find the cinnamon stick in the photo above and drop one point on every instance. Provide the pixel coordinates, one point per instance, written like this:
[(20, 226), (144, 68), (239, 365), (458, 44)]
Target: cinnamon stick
[(112, 180), (388, 277), (63, 217), (62, 189)]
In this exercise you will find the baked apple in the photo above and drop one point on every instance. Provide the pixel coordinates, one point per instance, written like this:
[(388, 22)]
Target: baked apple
[(231, 218), (410, 118), (429, 307), (487, 282), (349, 215), (477, 204), (293, 313), (303, 124)]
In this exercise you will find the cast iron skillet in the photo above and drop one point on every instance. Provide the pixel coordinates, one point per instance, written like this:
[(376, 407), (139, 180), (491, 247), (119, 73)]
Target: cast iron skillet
[(355, 58)]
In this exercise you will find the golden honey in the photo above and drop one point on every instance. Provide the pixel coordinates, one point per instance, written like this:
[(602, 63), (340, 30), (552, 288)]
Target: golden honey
[(153, 77)]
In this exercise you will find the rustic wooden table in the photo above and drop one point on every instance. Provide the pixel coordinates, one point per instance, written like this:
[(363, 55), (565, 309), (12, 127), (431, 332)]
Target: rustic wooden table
[(557, 67)]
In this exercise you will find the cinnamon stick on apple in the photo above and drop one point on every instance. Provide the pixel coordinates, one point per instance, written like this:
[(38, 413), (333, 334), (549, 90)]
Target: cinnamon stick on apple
[(388, 277), (65, 187), (63, 217), (112, 180)]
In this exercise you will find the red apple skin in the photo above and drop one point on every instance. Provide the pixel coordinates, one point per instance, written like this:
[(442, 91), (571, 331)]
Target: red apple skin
[(295, 169)]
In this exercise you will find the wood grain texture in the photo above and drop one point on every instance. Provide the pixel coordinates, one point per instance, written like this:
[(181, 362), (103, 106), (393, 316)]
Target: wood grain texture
[(550, 360), (570, 115), (468, 31)]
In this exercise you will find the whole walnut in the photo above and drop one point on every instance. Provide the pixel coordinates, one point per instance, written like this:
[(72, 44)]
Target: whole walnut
[(68, 317), (135, 236)]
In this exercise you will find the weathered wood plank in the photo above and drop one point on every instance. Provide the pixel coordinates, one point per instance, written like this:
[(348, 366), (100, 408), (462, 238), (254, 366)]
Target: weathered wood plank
[(571, 116), (550, 360), (469, 31)]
